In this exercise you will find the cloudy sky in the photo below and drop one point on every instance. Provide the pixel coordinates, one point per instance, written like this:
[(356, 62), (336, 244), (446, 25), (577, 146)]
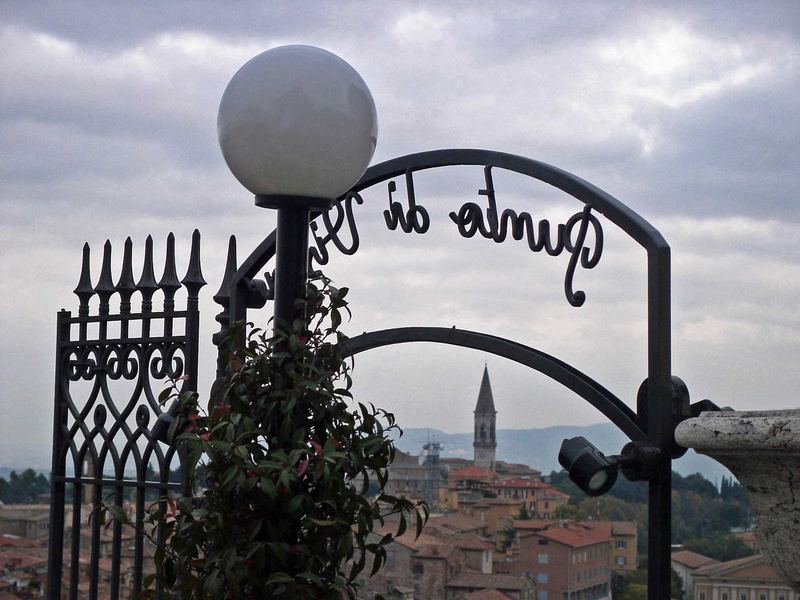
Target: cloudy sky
[(687, 113)]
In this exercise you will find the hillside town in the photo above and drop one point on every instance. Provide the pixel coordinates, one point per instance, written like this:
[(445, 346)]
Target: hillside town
[(497, 531)]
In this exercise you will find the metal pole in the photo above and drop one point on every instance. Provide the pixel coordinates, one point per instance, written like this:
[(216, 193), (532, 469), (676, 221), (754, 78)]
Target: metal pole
[(659, 423), (55, 567), (291, 264)]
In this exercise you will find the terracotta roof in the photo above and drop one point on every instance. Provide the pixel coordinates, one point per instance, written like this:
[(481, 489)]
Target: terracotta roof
[(534, 524), (418, 543), (17, 542), (734, 565), (432, 551), (693, 560), (409, 539), (491, 594), (476, 579), (455, 522), (610, 528), (472, 473), (19, 560), (503, 466), (575, 535), (470, 541)]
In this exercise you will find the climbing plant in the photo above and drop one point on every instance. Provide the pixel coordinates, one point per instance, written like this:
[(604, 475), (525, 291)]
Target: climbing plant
[(294, 472)]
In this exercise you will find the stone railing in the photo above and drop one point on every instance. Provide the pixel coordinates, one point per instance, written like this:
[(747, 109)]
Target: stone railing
[(762, 449)]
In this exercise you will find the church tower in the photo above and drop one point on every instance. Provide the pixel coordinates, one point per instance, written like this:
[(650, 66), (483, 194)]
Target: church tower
[(485, 442)]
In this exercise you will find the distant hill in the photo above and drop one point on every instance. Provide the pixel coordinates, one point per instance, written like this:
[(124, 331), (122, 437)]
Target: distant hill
[(5, 472), (538, 448)]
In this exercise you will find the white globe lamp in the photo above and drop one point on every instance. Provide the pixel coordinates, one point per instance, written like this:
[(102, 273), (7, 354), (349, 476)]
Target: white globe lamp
[(297, 121)]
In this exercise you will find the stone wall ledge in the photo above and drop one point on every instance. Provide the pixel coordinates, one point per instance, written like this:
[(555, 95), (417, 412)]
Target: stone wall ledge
[(739, 431), (762, 449)]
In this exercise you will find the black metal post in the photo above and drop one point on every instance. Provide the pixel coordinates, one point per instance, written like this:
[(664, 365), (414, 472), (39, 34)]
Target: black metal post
[(291, 264), (291, 253), (660, 424), (57, 484)]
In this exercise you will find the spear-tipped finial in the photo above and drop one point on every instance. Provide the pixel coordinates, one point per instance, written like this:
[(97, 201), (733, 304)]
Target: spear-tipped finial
[(84, 291), (147, 282), (223, 295), (105, 285), (224, 291), (169, 283), (194, 275), (126, 285)]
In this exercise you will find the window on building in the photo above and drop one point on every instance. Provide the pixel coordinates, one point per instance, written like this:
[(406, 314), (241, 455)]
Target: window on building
[(762, 597), (542, 577), (543, 542), (622, 561), (701, 596), (417, 568), (622, 544), (724, 595), (389, 561), (543, 559), (541, 595), (781, 596), (743, 596)]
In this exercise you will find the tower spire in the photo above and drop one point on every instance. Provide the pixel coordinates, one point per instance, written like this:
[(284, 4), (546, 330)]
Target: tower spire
[(485, 402), (485, 440)]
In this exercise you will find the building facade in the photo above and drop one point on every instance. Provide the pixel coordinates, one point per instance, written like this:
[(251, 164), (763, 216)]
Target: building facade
[(570, 560), (749, 578), (685, 563)]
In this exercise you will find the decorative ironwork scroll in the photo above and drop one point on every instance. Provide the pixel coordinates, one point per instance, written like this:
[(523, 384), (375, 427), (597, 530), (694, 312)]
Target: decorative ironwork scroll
[(581, 236), (103, 445)]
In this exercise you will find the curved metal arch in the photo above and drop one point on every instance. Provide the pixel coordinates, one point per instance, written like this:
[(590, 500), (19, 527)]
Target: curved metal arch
[(659, 411), (583, 385), (617, 212)]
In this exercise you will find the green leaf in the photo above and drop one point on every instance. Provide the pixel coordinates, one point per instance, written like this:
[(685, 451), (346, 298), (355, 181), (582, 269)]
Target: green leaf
[(117, 513), (279, 577), (401, 527)]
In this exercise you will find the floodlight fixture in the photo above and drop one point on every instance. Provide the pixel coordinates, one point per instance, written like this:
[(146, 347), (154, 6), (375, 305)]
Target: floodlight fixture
[(588, 468)]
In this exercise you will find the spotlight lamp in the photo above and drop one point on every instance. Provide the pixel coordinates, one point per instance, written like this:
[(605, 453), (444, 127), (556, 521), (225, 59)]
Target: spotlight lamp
[(595, 473)]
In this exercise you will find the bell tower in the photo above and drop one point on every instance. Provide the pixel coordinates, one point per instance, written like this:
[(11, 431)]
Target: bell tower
[(485, 442)]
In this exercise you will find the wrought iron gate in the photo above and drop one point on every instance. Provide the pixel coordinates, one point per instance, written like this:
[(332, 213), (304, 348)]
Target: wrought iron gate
[(103, 445)]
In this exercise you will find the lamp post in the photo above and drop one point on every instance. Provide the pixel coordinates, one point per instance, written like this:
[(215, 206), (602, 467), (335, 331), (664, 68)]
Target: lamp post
[(297, 127)]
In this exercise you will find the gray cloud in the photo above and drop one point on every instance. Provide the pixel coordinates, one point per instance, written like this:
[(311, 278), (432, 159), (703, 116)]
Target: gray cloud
[(688, 113)]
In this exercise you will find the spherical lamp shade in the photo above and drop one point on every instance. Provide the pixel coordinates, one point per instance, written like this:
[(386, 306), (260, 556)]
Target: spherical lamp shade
[(297, 121)]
